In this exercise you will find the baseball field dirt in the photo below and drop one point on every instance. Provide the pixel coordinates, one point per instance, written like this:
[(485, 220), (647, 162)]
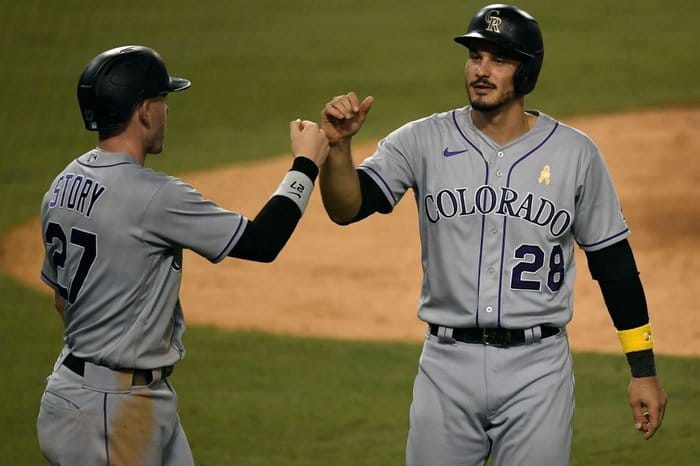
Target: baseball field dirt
[(363, 281)]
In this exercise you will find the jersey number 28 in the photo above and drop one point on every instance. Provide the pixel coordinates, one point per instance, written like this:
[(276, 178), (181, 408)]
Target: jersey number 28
[(85, 240), (532, 260)]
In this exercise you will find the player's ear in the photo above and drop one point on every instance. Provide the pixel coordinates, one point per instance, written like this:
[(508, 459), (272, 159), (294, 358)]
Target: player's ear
[(143, 112)]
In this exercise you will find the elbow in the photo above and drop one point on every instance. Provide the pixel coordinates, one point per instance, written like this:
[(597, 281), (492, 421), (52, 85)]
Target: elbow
[(342, 217), (269, 254), (268, 257), (265, 255), (340, 220), (341, 213)]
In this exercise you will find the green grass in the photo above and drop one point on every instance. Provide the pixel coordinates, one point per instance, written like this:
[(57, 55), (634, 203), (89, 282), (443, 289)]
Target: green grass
[(279, 400), (254, 399)]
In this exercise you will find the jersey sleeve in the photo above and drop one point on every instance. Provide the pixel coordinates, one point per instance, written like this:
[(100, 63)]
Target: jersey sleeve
[(599, 221), (391, 167), (178, 215), (48, 271), (48, 276)]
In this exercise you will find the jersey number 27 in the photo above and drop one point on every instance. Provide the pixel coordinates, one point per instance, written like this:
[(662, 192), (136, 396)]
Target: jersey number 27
[(84, 240)]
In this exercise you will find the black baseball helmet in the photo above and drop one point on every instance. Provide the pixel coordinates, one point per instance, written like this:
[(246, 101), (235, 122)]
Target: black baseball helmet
[(516, 32), (117, 80)]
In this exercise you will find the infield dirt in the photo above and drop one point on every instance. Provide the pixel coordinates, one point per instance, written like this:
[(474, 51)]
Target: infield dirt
[(363, 281)]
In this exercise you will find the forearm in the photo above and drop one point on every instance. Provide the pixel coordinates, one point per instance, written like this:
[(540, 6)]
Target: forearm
[(627, 307), (266, 235), (340, 186), (616, 272)]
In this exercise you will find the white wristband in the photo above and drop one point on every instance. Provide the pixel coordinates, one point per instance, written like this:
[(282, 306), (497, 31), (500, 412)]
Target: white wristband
[(297, 187)]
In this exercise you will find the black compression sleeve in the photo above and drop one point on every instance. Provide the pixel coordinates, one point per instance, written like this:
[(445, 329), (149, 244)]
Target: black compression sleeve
[(265, 236), (616, 272), (373, 200), (642, 363)]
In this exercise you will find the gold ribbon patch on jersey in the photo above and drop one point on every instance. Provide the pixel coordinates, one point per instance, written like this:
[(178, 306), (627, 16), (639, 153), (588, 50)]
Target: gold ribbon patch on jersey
[(545, 174)]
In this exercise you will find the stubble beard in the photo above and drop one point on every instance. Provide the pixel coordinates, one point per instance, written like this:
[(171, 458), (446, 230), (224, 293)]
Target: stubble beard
[(489, 107)]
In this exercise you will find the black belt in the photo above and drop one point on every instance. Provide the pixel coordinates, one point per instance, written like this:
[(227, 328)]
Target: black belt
[(502, 337), (140, 376)]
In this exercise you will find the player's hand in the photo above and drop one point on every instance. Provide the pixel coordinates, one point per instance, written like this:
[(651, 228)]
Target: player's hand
[(343, 116), (308, 140), (648, 402)]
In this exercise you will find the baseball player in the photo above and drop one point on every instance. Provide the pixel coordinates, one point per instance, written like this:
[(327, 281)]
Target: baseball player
[(503, 193), (114, 232)]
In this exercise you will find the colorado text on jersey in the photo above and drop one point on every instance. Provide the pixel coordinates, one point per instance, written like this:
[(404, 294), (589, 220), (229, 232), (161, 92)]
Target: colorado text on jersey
[(504, 201)]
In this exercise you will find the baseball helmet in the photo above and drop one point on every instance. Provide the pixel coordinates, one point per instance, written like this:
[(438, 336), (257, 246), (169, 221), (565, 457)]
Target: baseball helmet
[(517, 33), (117, 80)]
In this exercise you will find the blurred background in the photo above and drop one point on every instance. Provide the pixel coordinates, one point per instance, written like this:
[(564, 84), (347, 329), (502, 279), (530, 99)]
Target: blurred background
[(255, 399)]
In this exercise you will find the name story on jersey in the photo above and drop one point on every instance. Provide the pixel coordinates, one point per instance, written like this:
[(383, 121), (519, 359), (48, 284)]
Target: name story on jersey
[(76, 192), (484, 200)]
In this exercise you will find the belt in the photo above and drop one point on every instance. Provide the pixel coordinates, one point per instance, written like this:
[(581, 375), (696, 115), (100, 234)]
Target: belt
[(140, 376), (501, 337)]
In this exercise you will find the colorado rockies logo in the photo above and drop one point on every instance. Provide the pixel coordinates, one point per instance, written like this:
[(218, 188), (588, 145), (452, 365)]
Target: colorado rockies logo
[(494, 21)]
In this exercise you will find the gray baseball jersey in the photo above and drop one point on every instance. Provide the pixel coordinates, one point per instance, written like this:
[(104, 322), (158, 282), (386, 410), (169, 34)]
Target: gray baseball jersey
[(498, 223), (114, 234)]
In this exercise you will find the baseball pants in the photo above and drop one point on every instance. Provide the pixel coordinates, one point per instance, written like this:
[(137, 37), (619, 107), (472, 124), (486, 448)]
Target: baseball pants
[(472, 401), (97, 419)]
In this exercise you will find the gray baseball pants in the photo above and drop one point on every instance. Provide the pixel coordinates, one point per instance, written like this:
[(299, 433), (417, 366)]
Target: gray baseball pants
[(472, 401), (101, 418)]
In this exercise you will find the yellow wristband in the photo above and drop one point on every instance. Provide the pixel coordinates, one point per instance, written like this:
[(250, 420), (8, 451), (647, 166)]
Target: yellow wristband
[(636, 339)]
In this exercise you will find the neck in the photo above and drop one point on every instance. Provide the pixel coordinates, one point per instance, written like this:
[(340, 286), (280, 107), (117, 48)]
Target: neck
[(503, 124), (123, 143)]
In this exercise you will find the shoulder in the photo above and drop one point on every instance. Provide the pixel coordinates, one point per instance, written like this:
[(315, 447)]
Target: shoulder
[(440, 118), (567, 138), (433, 123), (168, 186), (564, 130)]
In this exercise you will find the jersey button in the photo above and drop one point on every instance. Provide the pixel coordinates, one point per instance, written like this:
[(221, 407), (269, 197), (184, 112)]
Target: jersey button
[(499, 173), (489, 309), (491, 271), (500, 154)]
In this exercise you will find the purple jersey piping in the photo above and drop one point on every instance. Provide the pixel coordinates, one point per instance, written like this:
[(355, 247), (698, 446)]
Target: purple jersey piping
[(386, 185), (224, 251), (53, 284), (104, 166), (105, 426), (605, 240), (505, 218), (483, 218)]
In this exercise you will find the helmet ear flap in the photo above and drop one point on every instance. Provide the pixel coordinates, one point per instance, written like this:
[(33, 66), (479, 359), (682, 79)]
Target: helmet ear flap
[(89, 87), (526, 75)]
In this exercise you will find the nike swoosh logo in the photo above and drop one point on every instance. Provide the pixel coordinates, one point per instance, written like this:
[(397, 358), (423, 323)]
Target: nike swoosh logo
[(450, 153)]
